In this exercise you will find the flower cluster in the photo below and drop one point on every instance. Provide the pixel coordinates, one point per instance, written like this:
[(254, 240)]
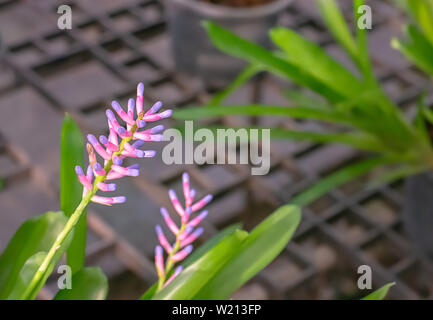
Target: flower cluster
[(185, 234), (113, 152)]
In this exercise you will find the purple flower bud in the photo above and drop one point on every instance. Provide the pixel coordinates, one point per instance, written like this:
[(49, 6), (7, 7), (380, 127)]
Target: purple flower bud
[(117, 161), (166, 113), (149, 153), (156, 129), (131, 105), (141, 123), (116, 106), (155, 107), (110, 115), (140, 89), (103, 140), (79, 171), (119, 199), (138, 144)]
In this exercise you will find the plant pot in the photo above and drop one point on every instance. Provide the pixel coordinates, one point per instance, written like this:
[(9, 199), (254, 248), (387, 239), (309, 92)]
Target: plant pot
[(418, 212), (192, 50)]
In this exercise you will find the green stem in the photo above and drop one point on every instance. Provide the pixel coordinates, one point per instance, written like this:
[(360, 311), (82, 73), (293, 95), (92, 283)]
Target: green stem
[(74, 218)]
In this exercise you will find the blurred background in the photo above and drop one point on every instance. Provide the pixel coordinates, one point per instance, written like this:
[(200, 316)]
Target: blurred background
[(45, 72)]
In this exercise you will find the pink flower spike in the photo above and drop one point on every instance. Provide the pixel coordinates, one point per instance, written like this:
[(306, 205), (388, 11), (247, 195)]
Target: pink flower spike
[(182, 254), (162, 239), (139, 103), (128, 147), (92, 155), (123, 133), (137, 144), (114, 175), (106, 187), (99, 149), (185, 233), (171, 225), (174, 275), (131, 107), (141, 123), (175, 202), (197, 233), (132, 172), (147, 137), (155, 129), (112, 137), (122, 114), (108, 200), (82, 178), (187, 214), (186, 191), (89, 173), (194, 222), (192, 194), (99, 170), (155, 108), (158, 116), (109, 145), (201, 203), (159, 263)]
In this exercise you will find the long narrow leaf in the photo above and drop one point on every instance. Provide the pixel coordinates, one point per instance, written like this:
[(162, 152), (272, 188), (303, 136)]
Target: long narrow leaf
[(334, 19), (71, 190), (240, 80), (314, 60), (87, 284), (261, 246), (417, 48), (257, 55), (34, 235), (198, 253), (192, 279), (379, 294), (336, 179)]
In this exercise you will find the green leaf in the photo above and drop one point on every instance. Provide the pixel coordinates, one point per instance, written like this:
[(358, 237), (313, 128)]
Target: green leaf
[(423, 14), (336, 23), (257, 55), (33, 236), (379, 294), (26, 275), (261, 246), (311, 58), (192, 113), (212, 242), (186, 285), (71, 190), (357, 140), (198, 253), (87, 284), (416, 48), (240, 80), (306, 99), (336, 179), (361, 38), (394, 174)]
